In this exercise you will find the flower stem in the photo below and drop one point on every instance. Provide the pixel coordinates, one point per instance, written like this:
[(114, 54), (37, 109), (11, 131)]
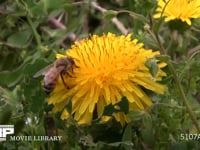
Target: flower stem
[(184, 98), (37, 37), (28, 14), (182, 94)]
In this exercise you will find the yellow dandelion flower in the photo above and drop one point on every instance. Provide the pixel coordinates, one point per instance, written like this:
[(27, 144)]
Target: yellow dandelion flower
[(108, 67), (178, 9)]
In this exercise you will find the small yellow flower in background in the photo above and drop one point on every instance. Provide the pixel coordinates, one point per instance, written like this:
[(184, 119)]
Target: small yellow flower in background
[(108, 67), (178, 9)]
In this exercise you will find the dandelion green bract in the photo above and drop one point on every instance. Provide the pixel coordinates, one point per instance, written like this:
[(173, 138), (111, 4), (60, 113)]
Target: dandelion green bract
[(108, 67), (184, 10)]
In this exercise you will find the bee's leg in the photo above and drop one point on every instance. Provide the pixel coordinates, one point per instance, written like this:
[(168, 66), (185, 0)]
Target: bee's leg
[(64, 82), (70, 73), (76, 66), (67, 73)]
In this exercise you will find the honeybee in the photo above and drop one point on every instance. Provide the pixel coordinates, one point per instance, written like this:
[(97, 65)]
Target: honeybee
[(51, 73)]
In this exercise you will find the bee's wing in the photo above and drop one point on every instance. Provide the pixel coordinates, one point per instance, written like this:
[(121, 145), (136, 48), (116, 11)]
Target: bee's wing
[(43, 71)]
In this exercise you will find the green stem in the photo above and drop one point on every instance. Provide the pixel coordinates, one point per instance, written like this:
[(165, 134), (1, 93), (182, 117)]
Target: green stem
[(183, 96), (168, 105), (37, 36)]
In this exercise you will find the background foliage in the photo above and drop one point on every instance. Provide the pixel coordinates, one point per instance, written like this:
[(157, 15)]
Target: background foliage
[(33, 31)]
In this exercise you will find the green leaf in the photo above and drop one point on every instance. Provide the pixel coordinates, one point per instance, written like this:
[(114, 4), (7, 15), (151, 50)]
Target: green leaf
[(138, 16), (69, 106), (163, 58), (123, 104), (19, 125), (148, 5), (43, 7), (20, 39), (117, 144), (148, 136), (36, 8), (5, 115), (136, 114), (109, 110), (67, 6), (158, 24), (153, 66), (11, 78), (52, 4), (127, 136), (34, 98), (109, 14)]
